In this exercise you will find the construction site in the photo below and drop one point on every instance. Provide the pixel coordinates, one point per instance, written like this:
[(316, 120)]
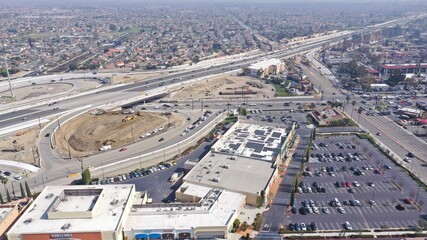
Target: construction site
[(227, 86), (102, 130), (21, 147)]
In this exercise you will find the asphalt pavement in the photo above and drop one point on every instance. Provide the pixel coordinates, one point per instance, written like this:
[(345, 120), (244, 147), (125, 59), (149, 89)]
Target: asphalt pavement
[(157, 185)]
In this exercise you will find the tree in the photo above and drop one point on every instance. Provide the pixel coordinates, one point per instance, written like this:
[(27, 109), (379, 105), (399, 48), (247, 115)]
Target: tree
[(28, 190), (9, 198), (395, 78), (312, 106), (243, 111), (22, 190), (73, 66), (422, 223), (4, 181), (86, 178), (353, 103), (347, 99), (359, 111), (113, 27)]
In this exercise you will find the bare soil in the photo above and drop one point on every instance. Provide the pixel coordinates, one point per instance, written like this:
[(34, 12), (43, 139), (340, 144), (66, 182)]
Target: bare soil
[(39, 90), (134, 78), (212, 87), (86, 133), (24, 142)]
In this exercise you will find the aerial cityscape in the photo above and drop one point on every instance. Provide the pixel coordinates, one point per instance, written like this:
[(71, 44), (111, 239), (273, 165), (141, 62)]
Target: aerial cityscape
[(185, 119)]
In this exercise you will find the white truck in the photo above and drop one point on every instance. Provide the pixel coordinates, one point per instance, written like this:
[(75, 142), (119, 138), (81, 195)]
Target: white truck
[(175, 176), (105, 148)]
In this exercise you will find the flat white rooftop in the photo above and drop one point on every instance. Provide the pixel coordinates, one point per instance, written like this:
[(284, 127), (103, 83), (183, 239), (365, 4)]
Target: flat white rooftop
[(79, 208), (245, 175), (252, 141), (216, 209)]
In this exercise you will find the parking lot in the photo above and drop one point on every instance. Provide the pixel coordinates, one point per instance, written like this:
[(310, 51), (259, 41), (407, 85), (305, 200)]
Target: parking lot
[(370, 191)]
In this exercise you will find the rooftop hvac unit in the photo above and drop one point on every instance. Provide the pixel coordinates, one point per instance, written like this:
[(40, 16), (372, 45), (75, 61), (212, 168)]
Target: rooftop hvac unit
[(217, 179), (233, 158)]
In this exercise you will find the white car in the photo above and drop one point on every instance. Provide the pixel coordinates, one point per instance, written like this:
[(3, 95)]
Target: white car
[(406, 159), (347, 225), (303, 227), (356, 184), (316, 210), (18, 177)]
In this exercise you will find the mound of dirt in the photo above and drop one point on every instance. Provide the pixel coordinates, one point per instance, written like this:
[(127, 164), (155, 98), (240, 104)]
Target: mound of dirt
[(86, 133)]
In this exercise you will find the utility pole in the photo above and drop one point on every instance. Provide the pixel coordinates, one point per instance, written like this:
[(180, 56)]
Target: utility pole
[(57, 120), (13, 190), (8, 78), (201, 103), (40, 124), (69, 151), (34, 156), (81, 163), (192, 104)]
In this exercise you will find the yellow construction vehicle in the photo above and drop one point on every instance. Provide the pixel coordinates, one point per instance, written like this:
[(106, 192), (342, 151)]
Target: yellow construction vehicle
[(128, 118)]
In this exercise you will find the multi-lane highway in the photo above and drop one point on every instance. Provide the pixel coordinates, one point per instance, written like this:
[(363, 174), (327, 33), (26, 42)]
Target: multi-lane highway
[(60, 168)]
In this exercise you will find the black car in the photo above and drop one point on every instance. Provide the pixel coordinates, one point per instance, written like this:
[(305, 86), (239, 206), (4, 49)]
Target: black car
[(313, 226), (47, 135), (7, 173), (161, 139), (410, 154), (291, 227), (400, 207), (294, 210)]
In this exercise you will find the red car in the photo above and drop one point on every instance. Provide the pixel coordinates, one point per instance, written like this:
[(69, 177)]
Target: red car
[(123, 149), (347, 184), (408, 201)]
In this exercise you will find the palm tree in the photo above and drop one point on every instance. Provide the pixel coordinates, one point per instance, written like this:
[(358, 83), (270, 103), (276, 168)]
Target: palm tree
[(4, 181), (347, 99), (360, 110), (312, 106), (353, 103)]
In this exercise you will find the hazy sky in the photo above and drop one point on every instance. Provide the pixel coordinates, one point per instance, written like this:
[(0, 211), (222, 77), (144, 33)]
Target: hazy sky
[(124, 3)]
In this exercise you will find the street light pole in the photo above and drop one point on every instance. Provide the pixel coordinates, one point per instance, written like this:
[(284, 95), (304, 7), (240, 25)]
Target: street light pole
[(8, 78)]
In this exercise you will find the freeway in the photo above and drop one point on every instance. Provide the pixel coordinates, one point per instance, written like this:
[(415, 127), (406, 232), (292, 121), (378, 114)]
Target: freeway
[(59, 168), (127, 91)]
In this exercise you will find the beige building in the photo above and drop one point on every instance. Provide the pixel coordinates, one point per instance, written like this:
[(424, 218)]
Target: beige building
[(200, 213), (76, 212), (10, 212), (264, 68), (244, 160)]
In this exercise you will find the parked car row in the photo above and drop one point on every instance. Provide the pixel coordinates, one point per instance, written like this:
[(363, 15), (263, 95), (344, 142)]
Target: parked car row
[(302, 227), (136, 173), (315, 188), (340, 157)]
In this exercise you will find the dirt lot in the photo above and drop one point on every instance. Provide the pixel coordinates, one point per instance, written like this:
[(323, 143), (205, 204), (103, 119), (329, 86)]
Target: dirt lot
[(212, 87), (134, 78), (39, 90), (26, 141), (87, 133)]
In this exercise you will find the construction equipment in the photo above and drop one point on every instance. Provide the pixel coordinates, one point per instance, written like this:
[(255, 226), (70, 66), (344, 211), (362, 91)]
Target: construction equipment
[(128, 118)]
